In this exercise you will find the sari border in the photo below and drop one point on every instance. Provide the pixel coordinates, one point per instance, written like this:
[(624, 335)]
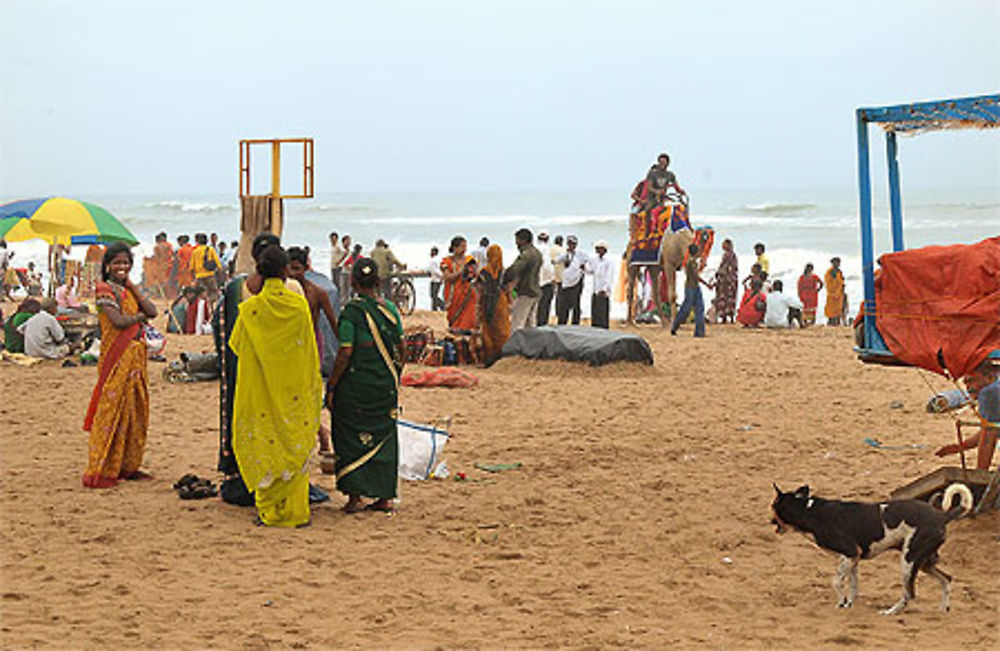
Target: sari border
[(362, 460)]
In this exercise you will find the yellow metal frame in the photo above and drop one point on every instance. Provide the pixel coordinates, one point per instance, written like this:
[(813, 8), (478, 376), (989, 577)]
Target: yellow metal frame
[(276, 143)]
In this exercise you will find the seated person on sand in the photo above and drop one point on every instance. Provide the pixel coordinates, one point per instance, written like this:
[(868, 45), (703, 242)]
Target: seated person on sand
[(66, 298), (177, 312), (782, 309), (14, 340), (753, 305), (43, 336), (984, 387), (198, 320)]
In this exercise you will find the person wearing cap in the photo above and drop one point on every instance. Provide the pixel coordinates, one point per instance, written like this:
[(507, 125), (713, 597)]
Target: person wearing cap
[(573, 263), (983, 384), (603, 271), (523, 275), (43, 336), (546, 278)]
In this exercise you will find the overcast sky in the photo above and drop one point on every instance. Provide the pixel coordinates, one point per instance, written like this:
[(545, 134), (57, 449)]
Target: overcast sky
[(103, 96)]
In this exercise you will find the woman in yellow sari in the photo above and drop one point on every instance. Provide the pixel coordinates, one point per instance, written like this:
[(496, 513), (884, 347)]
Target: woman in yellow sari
[(278, 395), (493, 307), (118, 415), (834, 281)]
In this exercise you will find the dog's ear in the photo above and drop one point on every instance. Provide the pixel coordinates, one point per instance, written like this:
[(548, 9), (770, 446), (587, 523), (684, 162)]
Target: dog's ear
[(802, 492), (776, 489)]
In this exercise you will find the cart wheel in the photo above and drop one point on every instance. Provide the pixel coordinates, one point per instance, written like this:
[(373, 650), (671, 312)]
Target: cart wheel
[(406, 296)]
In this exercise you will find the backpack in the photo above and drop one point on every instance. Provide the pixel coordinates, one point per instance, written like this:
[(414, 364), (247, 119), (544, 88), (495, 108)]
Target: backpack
[(208, 261)]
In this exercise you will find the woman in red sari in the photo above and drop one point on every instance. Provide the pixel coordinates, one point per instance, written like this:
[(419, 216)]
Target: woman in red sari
[(118, 415), (458, 271), (809, 286)]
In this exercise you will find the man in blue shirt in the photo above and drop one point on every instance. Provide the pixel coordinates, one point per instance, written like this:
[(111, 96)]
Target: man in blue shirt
[(984, 387)]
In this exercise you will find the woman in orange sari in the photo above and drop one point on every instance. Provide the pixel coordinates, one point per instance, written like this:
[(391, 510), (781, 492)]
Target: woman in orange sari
[(118, 415), (493, 307), (457, 271)]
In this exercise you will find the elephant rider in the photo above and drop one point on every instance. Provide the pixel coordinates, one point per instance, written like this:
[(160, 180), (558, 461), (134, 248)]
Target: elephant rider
[(658, 180)]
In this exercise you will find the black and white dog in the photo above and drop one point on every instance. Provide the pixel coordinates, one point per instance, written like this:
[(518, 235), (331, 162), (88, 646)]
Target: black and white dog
[(859, 531)]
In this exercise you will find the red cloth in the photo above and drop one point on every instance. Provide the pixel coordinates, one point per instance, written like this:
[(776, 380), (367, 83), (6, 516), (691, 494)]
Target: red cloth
[(809, 291), (749, 314), (941, 302), (440, 377)]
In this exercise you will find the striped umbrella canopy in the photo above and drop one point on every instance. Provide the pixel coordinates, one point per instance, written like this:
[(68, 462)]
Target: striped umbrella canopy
[(59, 220)]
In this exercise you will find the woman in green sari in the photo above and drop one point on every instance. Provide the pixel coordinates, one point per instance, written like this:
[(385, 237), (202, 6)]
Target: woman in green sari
[(363, 394)]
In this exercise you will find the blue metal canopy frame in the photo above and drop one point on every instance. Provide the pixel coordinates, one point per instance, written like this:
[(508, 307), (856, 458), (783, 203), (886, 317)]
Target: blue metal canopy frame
[(982, 112)]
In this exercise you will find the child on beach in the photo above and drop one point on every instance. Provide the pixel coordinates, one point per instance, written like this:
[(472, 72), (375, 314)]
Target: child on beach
[(762, 259)]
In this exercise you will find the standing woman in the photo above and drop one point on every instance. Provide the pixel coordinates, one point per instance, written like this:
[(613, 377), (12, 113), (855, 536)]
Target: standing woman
[(726, 284), (809, 286), (834, 280), (278, 395), (493, 308), (457, 271), (363, 394), (118, 415)]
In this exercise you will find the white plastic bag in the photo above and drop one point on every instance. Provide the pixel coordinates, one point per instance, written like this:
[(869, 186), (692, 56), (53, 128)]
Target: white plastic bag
[(420, 448)]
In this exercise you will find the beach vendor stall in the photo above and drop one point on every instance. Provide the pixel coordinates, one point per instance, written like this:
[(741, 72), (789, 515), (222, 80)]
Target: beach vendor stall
[(936, 308)]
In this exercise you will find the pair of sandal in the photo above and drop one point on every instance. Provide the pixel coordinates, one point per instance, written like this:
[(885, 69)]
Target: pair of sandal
[(193, 487), (376, 507)]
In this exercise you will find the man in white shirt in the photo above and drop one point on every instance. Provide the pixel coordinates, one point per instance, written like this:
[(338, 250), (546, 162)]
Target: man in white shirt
[(434, 268), (43, 336), (546, 278), (337, 255), (782, 309), (603, 272), (573, 262), (479, 255)]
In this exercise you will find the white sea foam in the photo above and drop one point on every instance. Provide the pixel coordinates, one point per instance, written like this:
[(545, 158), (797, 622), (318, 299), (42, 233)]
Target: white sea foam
[(778, 207), (185, 206)]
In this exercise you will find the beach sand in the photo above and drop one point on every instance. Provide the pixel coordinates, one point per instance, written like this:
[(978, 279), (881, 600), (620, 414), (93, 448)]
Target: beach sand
[(640, 517)]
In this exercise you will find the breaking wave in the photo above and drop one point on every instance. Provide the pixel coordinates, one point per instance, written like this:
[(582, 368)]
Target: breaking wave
[(778, 207), (186, 206)]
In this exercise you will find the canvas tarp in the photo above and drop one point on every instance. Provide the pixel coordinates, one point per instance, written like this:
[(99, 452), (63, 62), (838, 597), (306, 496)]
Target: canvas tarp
[(578, 344), (941, 305)]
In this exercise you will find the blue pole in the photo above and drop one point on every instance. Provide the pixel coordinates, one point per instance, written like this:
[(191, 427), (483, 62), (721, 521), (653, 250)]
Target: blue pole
[(867, 241), (895, 205)]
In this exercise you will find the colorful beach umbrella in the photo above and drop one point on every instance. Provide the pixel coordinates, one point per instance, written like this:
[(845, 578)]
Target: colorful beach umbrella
[(59, 220)]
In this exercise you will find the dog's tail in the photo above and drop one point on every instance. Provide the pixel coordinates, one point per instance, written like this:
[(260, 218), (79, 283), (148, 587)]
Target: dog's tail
[(965, 498)]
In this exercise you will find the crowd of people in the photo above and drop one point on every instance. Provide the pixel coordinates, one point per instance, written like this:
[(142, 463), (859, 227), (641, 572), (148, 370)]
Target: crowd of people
[(481, 294)]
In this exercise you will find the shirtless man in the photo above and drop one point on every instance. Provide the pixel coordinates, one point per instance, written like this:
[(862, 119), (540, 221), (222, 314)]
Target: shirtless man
[(298, 263)]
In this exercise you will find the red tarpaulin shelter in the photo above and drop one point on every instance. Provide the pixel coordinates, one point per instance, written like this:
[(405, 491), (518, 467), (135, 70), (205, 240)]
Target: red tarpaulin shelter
[(939, 306)]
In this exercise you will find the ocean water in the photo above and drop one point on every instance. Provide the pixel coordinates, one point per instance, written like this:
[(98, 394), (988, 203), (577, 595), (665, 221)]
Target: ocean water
[(797, 226)]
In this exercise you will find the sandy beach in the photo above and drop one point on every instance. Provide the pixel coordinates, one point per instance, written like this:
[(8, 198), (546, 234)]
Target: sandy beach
[(639, 517)]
